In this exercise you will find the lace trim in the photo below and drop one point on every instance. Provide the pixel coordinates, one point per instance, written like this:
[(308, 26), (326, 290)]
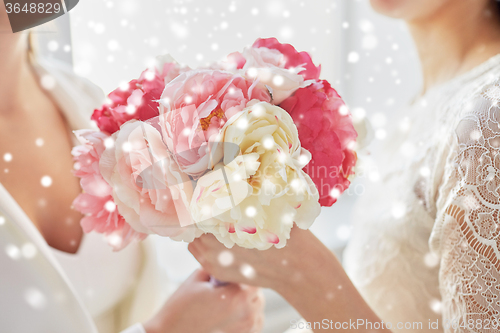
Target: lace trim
[(469, 225), (473, 73)]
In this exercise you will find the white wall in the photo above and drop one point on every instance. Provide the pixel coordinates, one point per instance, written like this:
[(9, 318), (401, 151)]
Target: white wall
[(117, 39), (387, 73)]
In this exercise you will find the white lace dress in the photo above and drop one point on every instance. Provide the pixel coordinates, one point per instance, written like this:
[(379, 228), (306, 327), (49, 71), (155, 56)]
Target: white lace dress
[(425, 244)]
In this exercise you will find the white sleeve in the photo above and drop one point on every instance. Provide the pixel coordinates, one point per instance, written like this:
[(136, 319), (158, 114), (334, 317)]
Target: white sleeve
[(137, 328), (467, 229)]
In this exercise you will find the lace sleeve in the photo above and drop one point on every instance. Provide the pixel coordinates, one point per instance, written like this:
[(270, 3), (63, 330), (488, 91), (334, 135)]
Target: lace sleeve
[(467, 226)]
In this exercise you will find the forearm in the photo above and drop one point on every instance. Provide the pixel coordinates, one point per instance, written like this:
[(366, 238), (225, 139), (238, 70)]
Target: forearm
[(305, 272), (320, 290)]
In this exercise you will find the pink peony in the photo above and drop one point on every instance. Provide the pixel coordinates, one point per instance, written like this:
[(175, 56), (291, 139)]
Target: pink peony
[(137, 100), (267, 66), (195, 106), (97, 203), (326, 131), (148, 189), (233, 62), (237, 59), (101, 216), (292, 58), (86, 158)]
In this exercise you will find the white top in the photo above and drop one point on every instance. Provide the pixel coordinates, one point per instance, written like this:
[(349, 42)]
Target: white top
[(425, 244), (94, 290), (101, 277)]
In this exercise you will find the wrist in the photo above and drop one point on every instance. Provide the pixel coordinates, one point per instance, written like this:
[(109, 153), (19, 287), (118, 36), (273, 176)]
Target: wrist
[(293, 277), (301, 273)]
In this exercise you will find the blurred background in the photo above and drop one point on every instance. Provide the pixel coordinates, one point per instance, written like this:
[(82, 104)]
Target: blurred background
[(368, 58)]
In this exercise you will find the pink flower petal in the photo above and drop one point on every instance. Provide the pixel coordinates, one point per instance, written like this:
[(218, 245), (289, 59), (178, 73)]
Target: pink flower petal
[(249, 230)]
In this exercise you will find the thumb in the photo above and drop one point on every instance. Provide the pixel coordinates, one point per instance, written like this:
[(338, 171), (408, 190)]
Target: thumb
[(199, 275)]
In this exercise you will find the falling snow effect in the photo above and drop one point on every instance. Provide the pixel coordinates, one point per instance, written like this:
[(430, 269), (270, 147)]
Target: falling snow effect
[(39, 142), (373, 75), (247, 271), (35, 298), (46, 181), (225, 258), (106, 35)]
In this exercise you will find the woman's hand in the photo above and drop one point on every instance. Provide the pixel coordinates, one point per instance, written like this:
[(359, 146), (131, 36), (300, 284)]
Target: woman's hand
[(305, 272), (271, 268), (199, 306)]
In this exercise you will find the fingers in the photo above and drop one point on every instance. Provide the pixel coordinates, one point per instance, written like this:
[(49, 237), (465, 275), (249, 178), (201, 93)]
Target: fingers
[(208, 246), (258, 317), (246, 304), (258, 303), (210, 242), (197, 253), (207, 238), (230, 290), (244, 293), (253, 315), (250, 291), (258, 324), (254, 295), (194, 250), (199, 275), (199, 256)]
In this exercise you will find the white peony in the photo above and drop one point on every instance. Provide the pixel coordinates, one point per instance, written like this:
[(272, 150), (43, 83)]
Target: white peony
[(267, 66), (254, 196)]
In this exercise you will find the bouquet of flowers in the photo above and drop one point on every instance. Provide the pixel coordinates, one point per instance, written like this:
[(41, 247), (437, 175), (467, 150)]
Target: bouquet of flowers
[(242, 149)]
